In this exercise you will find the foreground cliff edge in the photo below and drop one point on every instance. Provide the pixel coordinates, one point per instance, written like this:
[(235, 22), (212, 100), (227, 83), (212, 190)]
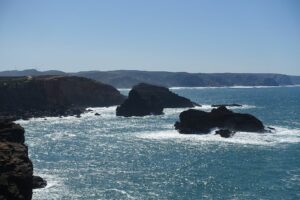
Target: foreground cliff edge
[(27, 97), (16, 169), (145, 99), (200, 122)]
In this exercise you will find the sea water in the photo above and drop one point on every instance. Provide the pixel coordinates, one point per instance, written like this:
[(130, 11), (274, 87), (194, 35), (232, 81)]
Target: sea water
[(109, 157)]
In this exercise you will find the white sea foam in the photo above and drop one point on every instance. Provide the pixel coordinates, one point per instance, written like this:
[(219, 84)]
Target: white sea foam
[(124, 89), (103, 111), (118, 192), (205, 107), (54, 189), (60, 135), (280, 136), (234, 87)]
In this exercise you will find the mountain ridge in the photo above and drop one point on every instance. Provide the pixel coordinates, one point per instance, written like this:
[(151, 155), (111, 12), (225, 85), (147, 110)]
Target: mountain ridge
[(129, 78)]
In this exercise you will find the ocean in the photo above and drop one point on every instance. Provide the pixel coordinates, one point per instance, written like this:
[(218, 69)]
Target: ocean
[(109, 157)]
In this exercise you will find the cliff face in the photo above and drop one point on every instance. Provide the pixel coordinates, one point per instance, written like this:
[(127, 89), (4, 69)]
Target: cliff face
[(16, 170), (53, 95)]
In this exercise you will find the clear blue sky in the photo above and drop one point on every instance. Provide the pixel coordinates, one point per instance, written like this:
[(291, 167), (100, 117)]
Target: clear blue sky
[(172, 35)]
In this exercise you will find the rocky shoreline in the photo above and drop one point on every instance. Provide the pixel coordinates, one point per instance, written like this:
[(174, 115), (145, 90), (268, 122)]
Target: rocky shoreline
[(16, 170), (49, 96), (53, 96)]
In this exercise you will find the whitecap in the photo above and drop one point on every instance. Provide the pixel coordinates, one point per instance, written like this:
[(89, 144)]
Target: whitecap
[(55, 187), (280, 136), (118, 193)]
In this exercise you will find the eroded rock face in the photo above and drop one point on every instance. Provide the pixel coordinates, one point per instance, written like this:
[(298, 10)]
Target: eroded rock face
[(11, 132), (16, 170), (27, 97), (196, 121), (145, 99)]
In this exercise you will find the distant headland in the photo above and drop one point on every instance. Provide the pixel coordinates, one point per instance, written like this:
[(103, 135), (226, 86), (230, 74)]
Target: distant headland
[(129, 78)]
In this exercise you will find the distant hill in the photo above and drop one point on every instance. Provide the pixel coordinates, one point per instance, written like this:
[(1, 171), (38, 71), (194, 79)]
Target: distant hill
[(295, 80), (129, 78), (31, 72)]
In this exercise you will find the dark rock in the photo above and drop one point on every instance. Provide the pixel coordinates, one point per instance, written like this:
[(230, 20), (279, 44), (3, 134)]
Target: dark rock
[(145, 99), (231, 105), (16, 170), (271, 128), (97, 114), (135, 105), (38, 182), (11, 132), (225, 133), (196, 121), (25, 97)]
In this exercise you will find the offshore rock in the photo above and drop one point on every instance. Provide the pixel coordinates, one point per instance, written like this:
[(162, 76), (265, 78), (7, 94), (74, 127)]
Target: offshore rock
[(196, 121), (145, 99)]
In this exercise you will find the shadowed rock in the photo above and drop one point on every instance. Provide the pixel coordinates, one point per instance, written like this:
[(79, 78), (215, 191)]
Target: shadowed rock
[(145, 99), (231, 105), (26, 97), (225, 133), (16, 170), (196, 121), (38, 182)]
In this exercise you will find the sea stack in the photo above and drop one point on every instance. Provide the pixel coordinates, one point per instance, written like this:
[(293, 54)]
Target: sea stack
[(145, 99), (195, 121), (16, 169)]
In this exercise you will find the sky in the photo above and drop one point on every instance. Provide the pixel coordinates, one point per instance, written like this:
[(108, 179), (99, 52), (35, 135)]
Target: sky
[(257, 36)]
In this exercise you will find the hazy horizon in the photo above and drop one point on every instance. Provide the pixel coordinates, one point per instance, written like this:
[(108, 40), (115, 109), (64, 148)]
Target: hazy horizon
[(176, 36), (147, 71)]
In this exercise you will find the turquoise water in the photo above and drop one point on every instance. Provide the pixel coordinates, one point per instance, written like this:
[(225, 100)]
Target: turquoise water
[(109, 157)]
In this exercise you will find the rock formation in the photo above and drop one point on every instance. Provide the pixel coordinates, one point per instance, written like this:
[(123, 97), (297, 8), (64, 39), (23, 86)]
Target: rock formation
[(27, 97), (145, 99), (196, 121), (225, 133), (16, 170), (231, 105)]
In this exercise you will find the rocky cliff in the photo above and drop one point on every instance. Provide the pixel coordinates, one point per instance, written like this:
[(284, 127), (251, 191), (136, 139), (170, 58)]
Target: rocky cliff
[(25, 97), (16, 169)]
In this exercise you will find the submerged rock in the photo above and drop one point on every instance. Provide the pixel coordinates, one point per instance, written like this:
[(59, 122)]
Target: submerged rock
[(225, 133), (231, 105), (196, 121), (145, 99), (16, 170)]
